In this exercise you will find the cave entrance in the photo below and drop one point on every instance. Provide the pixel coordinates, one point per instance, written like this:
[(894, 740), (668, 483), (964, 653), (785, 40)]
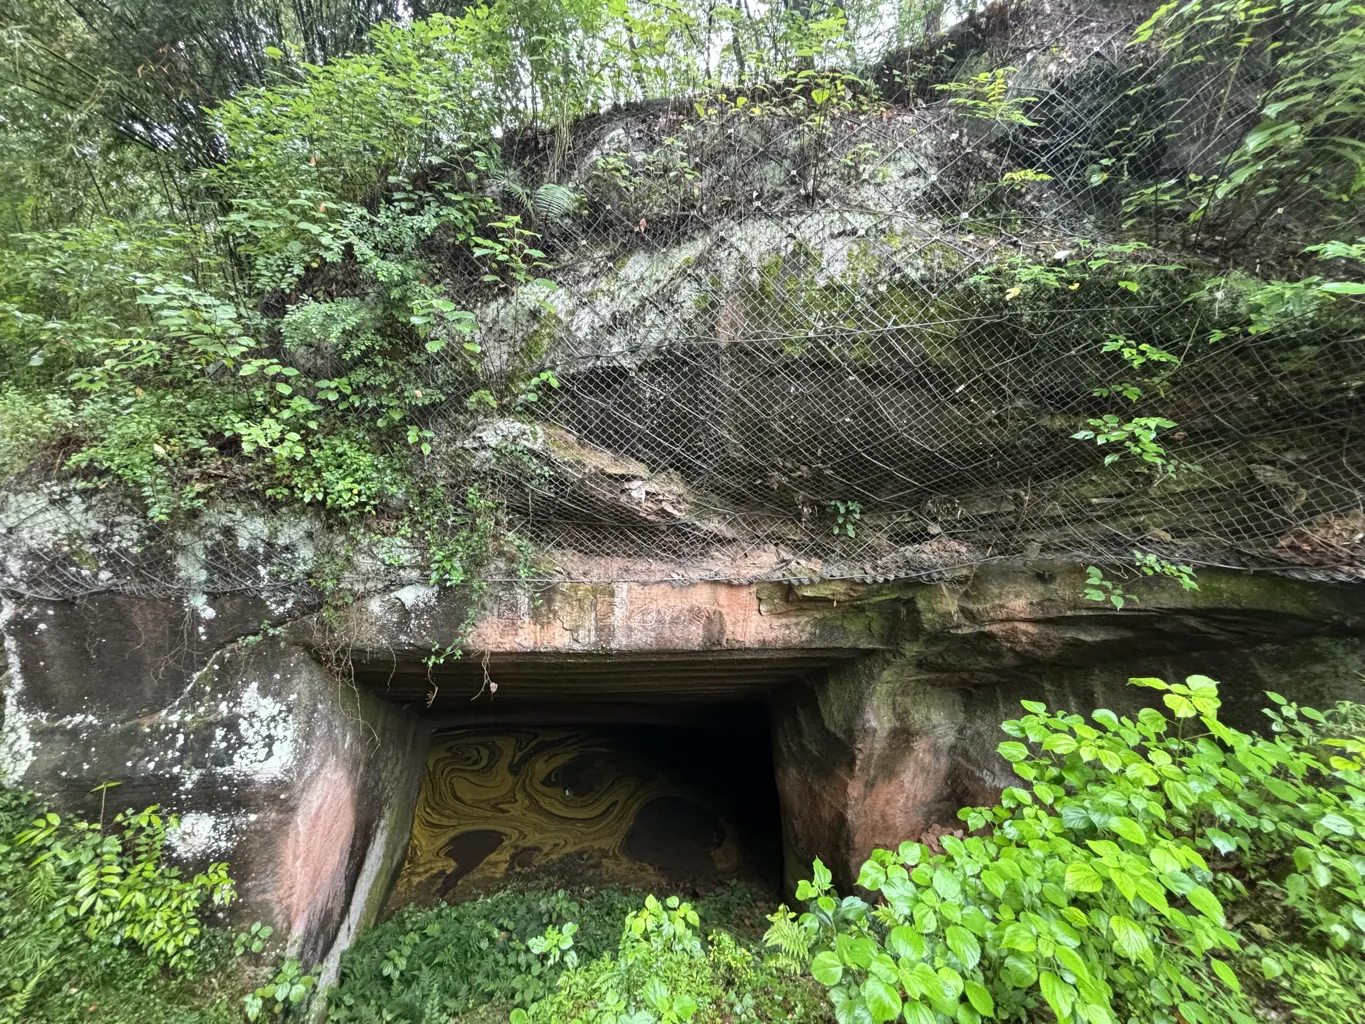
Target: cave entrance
[(564, 772)]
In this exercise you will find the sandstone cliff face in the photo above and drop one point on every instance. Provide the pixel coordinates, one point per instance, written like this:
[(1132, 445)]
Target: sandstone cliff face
[(295, 752), (753, 321)]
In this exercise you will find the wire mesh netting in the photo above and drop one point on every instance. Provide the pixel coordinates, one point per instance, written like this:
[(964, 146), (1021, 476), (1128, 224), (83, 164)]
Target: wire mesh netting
[(857, 343)]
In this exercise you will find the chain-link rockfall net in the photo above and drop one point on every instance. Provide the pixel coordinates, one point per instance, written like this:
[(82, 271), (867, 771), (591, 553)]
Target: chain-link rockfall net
[(855, 339)]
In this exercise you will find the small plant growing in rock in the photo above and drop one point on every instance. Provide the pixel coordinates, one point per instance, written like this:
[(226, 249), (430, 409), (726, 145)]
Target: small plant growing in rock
[(285, 996), (252, 940), (986, 96), (846, 515), (1099, 588), (113, 885), (1154, 565)]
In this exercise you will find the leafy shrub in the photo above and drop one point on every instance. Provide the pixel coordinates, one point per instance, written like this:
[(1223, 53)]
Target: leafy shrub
[(453, 958), (1325, 987), (92, 919), (1096, 891), (114, 886), (284, 995), (663, 972)]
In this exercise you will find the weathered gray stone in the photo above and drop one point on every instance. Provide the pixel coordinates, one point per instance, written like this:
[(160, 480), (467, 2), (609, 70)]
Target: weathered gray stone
[(301, 782)]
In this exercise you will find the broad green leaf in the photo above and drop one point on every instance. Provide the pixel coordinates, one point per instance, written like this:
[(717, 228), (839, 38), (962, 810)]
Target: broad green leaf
[(855, 951), (1222, 842), (1081, 877), (884, 967), (1336, 823), (901, 893), (1059, 995), (1018, 972), (995, 884), (1060, 742), (826, 968), (1130, 830), (916, 1012), (1152, 892), (883, 1000), (980, 998), (1019, 936), (1129, 938), (872, 876), (1012, 751), (1178, 793), (1072, 961), (946, 884), (1151, 682), (904, 941), (1206, 903), (964, 946), (1183, 707), (821, 874), (1282, 789), (909, 853), (952, 983), (1224, 972)]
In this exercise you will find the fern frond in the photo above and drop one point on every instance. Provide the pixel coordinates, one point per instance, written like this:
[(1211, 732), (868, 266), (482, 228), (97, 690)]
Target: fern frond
[(790, 941), (552, 201)]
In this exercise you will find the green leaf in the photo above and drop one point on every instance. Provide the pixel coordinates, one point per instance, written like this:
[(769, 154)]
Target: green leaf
[(883, 1000), (1059, 995), (1222, 842), (964, 946), (946, 884), (1060, 742), (1018, 972), (1206, 903), (1224, 972), (827, 969), (916, 1012), (872, 876), (980, 998), (1019, 936), (1130, 830), (821, 874), (909, 853), (1081, 877), (1012, 751), (1336, 823), (1129, 938), (904, 941), (1344, 288)]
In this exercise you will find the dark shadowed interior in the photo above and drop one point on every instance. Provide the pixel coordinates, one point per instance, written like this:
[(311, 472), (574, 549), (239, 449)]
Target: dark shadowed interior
[(582, 771)]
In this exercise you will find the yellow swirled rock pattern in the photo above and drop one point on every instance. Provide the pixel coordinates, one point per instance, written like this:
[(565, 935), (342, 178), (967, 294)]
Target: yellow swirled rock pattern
[(588, 806)]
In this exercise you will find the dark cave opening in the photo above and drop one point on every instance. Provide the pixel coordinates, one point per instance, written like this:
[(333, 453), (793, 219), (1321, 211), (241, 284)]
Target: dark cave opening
[(653, 769), (671, 799)]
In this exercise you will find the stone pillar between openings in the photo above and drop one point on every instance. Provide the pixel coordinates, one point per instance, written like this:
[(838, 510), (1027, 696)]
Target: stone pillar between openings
[(870, 756)]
